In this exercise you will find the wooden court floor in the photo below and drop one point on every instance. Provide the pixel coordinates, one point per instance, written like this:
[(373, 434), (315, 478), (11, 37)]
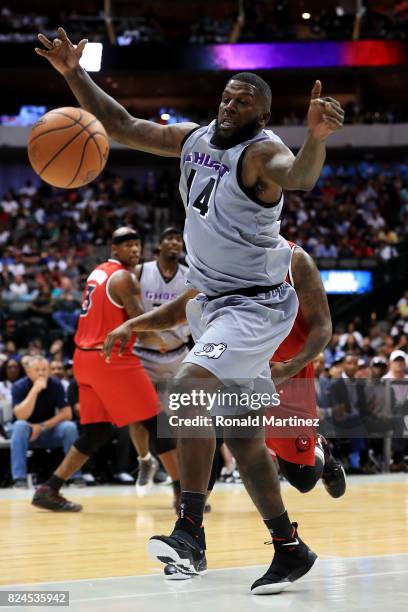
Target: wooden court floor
[(109, 537)]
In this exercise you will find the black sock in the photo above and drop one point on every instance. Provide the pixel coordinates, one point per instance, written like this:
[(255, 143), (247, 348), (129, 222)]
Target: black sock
[(192, 507), (280, 527), (55, 482), (176, 486), (191, 514)]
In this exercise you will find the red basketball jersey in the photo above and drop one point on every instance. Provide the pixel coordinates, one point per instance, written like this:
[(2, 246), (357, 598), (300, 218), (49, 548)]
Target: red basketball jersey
[(293, 343), (100, 314)]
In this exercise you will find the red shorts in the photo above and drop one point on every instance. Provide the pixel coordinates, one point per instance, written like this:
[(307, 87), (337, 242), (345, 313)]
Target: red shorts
[(298, 399), (300, 450), (119, 392)]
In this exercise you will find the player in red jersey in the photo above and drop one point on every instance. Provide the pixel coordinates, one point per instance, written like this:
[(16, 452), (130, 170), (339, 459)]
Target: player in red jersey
[(305, 458), (120, 393)]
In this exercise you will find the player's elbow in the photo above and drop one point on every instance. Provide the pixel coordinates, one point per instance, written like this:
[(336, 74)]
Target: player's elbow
[(305, 184), (327, 332), (299, 183)]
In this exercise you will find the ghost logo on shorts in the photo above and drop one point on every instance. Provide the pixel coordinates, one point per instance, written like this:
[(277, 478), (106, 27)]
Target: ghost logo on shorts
[(211, 350)]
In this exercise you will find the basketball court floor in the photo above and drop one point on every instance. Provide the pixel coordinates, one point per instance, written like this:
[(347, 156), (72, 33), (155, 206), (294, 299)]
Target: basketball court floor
[(100, 556)]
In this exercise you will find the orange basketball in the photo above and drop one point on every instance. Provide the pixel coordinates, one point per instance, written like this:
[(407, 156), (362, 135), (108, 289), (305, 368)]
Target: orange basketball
[(68, 147)]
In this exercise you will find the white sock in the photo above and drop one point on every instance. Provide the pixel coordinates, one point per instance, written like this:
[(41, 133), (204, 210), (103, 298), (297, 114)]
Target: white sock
[(146, 457)]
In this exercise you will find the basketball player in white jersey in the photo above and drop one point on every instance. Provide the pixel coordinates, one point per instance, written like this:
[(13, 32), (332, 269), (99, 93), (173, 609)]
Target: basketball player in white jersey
[(233, 173), (161, 281)]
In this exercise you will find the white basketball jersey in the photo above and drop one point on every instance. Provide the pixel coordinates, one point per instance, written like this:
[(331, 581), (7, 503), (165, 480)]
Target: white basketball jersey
[(157, 290), (232, 239)]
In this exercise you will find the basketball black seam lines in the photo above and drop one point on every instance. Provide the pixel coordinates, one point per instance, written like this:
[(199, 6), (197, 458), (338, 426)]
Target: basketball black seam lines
[(66, 127), (81, 160), (84, 127), (90, 137), (53, 158)]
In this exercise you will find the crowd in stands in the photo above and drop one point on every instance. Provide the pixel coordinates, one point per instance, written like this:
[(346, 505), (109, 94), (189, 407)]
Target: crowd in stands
[(203, 23), (356, 210)]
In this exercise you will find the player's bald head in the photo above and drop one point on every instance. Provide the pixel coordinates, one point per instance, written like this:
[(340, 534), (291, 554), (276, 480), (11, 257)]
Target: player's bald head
[(261, 87)]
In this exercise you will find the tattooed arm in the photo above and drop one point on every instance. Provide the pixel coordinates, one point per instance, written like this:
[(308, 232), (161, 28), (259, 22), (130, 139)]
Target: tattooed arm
[(139, 134), (315, 310), (270, 167), (164, 317)]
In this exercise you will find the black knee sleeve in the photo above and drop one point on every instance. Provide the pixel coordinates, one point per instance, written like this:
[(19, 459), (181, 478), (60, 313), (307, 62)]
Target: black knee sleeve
[(160, 433), (214, 469), (92, 437), (302, 477)]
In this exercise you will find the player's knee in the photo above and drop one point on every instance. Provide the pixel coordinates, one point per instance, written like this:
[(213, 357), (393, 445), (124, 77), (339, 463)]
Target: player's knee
[(187, 378), (304, 487), (92, 437), (303, 479)]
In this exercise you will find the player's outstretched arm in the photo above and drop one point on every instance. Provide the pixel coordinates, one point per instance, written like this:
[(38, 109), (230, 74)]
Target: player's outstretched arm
[(325, 116), (125, 290), (315, 310), (120, 125), (164, 317)]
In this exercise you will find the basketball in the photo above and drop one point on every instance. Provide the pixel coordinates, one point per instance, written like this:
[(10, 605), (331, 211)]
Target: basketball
[(68, 147)]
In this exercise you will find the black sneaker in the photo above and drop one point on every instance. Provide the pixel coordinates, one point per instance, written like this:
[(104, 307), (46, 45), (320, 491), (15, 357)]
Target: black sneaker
[(292, 560), (334, 476), (171, 572), (49, 499), (180, 549)]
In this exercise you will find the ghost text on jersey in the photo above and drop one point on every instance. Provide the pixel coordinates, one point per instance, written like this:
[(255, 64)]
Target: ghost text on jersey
[(203, 159)]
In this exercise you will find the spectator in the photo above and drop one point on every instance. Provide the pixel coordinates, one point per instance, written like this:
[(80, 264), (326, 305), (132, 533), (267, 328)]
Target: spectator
[(11, 370), (58, 372), (67, 307), (43, 418), (326, 248), (352, 336), (322, 385), (348, 401), (396, 373), (40, 308), (383, 407), (18, 288)]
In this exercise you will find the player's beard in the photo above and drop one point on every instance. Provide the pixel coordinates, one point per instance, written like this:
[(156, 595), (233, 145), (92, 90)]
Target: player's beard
[(233, 137)]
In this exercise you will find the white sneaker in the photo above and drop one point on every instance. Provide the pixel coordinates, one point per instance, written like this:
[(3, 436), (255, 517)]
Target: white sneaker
[(147, 470), (88, 478), (125, 478)]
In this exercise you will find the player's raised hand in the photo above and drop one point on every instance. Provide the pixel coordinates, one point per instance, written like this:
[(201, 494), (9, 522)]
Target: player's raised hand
[(121, 334), (325, 115), (61, 53)]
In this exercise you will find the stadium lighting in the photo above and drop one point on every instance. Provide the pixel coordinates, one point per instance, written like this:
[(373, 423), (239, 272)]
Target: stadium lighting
[(165, 116), (92, 57), (306, 15)]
